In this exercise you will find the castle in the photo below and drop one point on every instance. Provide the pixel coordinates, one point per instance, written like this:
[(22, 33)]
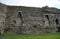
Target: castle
[(29, 20)]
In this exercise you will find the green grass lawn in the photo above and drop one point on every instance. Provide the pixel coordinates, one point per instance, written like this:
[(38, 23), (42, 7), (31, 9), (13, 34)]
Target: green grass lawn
[(32, 36)]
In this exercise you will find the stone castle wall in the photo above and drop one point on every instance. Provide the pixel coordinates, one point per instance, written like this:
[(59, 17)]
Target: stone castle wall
[(28, 20), (3, 10)]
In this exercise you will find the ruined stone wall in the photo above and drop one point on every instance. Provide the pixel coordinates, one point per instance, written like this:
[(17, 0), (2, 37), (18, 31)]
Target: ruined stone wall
[(29, 20), (32, 20), (3, 11), (51, 18)]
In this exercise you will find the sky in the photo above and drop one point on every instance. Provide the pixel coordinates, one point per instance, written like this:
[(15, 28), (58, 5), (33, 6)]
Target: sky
[(33, 3)]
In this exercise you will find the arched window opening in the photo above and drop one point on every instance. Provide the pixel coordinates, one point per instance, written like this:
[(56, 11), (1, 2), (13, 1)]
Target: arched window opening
[(20, 15), (47, 17)]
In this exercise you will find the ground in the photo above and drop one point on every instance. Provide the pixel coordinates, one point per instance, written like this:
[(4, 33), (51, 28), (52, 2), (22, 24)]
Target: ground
[(33, 36)]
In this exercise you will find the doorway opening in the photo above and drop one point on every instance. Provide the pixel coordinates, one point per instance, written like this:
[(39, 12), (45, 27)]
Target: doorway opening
[(58, 29)]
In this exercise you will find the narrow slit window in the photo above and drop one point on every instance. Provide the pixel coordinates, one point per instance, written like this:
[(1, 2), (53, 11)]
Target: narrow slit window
[(57, 21), (20, 15), (47, 17)]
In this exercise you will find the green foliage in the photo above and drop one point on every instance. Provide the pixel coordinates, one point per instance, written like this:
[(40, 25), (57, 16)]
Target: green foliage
[(32, 36)]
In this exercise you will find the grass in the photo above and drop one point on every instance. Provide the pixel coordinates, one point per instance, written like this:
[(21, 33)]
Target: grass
[(32, 36)]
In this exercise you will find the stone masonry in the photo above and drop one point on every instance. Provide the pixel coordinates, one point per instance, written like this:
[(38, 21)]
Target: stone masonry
[(29, 20)]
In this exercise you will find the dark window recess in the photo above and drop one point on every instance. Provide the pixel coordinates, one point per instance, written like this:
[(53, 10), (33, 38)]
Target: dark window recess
[(0, 32), (44, 21), (57, 21), (47, 17), (14, 21), (35, 26), (20, 15), (58, 29)]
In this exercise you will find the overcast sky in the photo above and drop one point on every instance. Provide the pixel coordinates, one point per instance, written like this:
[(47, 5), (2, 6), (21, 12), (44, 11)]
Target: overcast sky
[(33, 3)]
